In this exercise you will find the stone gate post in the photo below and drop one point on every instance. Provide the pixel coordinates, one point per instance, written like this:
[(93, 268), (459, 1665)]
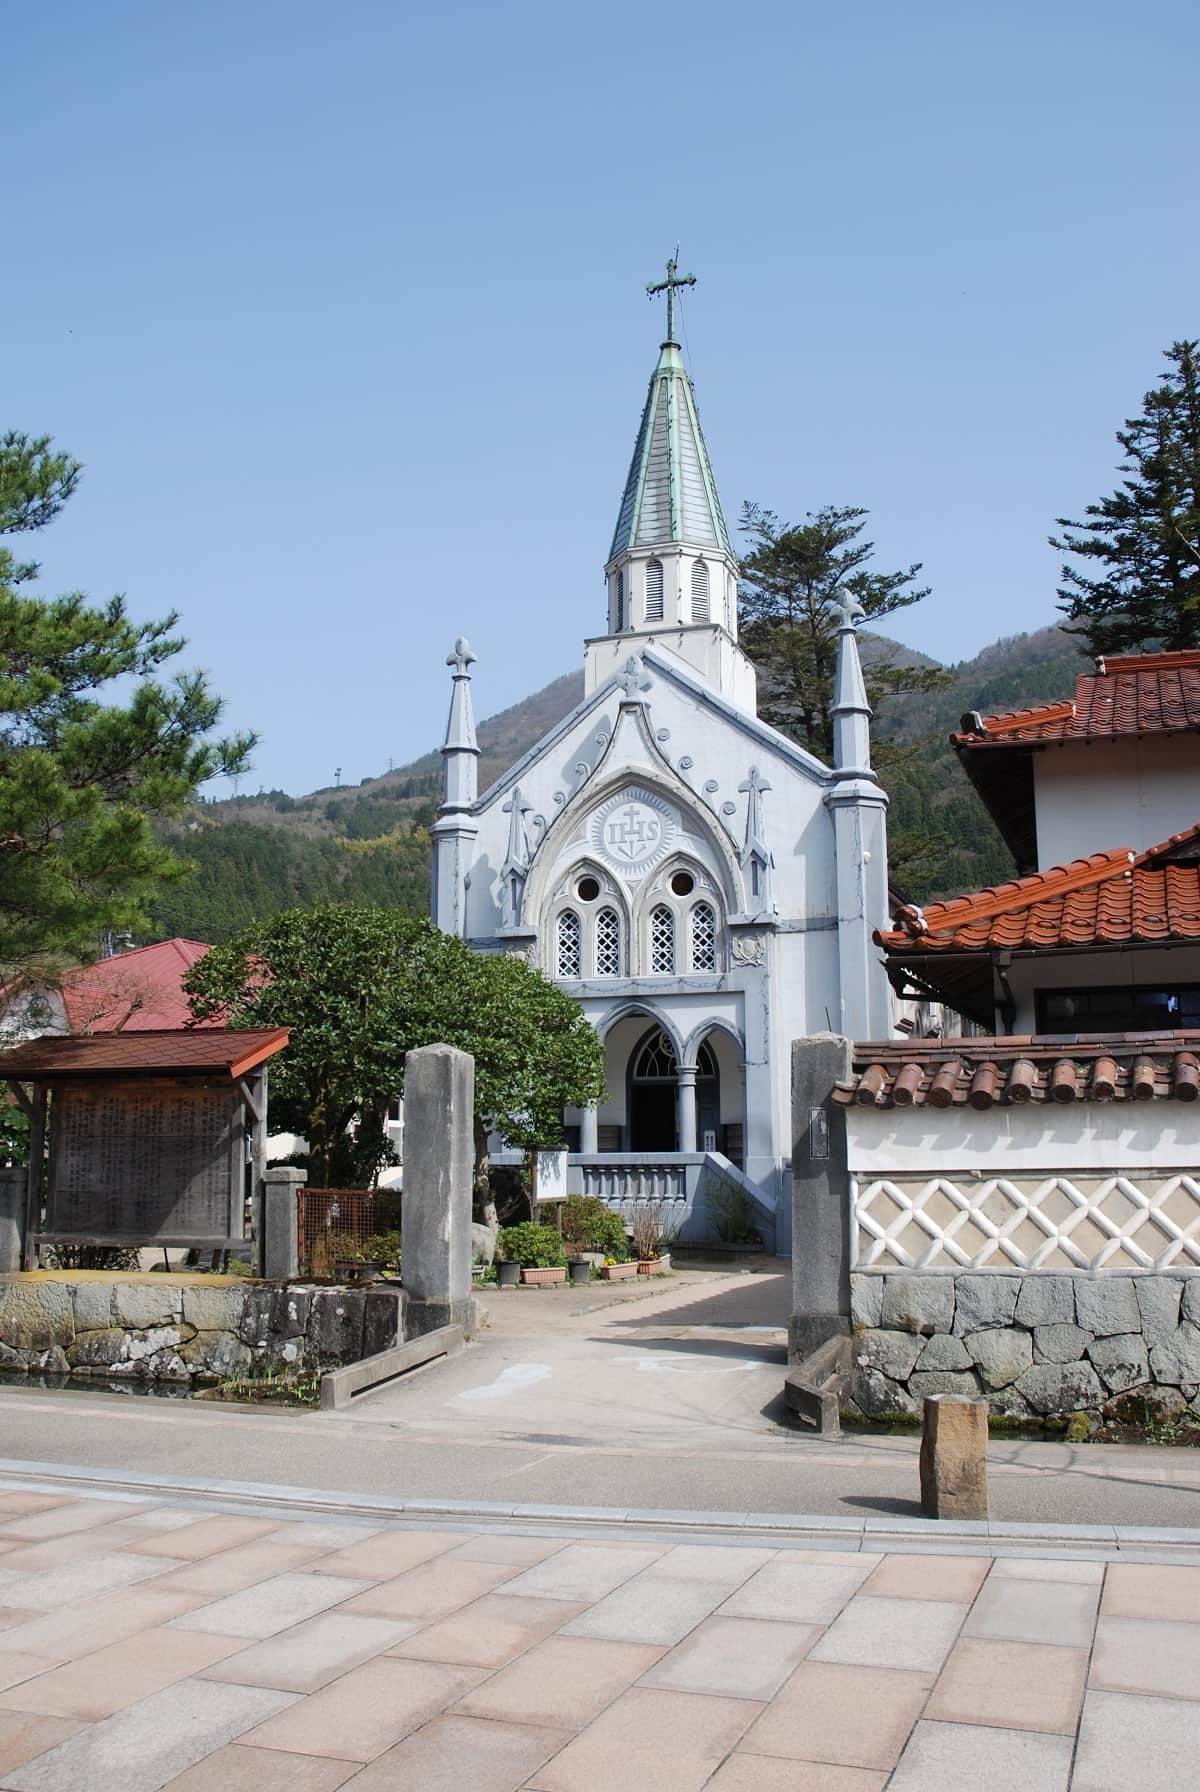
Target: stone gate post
[(14, 1185), (279, 1219), (439, 1161), (820, 1195)]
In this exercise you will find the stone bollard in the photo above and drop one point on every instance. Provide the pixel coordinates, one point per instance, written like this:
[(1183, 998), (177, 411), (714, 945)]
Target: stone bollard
[(14, 1188), (279, 1219), (439, 1164), (954, 1457)]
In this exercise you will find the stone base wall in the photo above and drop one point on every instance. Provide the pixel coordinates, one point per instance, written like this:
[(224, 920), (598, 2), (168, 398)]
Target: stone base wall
[(176, 1329), (1035, 1344)]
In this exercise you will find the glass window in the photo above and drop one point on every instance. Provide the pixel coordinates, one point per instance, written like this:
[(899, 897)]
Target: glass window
[(1127, 1009), (569, 934), (608, 943), (704, 938), (662, 941)]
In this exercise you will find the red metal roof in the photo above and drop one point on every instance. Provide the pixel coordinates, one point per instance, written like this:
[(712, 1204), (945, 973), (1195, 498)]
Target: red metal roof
[(980, 1072), (172, 1052), (132, 992), (1109, 899), (1149, 693)]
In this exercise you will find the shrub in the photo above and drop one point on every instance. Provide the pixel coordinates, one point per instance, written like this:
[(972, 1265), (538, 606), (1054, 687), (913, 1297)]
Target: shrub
[(531, 1245), (652, 1230), (589, 1225), (732, 1214)]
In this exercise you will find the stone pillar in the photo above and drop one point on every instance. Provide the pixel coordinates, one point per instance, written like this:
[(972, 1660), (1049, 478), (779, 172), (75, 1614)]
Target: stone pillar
[(954, 1457), (820, 1196), (439, 1162), (279, 1222), (687, 1107), (14, 1185), (588, 1131)]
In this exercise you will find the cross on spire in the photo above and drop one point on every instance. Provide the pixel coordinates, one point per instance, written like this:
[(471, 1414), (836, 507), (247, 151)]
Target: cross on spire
[(670, 285)]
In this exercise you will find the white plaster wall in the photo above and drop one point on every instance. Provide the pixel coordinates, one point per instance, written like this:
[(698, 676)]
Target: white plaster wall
[(1114, 793), (1069, 1136)]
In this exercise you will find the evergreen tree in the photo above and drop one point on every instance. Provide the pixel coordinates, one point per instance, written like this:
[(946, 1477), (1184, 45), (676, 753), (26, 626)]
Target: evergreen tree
[(1146, 535), (80, 777)]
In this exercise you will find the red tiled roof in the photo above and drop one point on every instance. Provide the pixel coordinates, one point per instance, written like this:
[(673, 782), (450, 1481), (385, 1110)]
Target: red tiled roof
[(220, 1051), (1012, 1071), (1149, 693), (1111, 898), (132, 992)]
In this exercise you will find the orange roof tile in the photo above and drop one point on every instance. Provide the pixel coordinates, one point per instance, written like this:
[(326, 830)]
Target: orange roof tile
[(946, 1073), (1111, 898), (1149, 693)]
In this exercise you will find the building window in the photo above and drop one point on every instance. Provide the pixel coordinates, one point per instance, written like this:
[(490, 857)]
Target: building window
[(620, 606), (1125, 1009), (654, 591), (608, 943), (569, 944), (656, 1062), (701, 611), (704, 938), (662, 941)]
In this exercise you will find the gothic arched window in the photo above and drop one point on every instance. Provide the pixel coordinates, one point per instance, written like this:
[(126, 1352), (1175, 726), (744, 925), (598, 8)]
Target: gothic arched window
[(704, 938), (608, 943), (654, 591), (568, 948), (662, 940), (701, 611), (656, 1061)]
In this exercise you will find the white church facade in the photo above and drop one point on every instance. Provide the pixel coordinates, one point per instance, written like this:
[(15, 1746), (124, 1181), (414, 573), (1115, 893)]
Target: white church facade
[(705, 888)]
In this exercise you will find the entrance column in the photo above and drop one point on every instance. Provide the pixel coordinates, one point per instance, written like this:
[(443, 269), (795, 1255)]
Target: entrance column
[(687, 1107), (588, 1131)]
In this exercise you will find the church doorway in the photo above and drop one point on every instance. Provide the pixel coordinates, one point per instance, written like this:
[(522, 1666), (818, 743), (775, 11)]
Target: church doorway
[(653, 1103)]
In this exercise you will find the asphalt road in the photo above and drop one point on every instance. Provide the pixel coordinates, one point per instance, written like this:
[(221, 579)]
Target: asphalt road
[(656, 1399)]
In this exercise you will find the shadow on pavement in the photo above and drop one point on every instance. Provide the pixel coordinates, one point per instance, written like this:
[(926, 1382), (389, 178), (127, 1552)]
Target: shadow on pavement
[(882, 1503), (749, 1350), (762, 1299)]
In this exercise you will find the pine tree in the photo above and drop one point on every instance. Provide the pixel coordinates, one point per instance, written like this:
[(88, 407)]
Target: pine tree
[(1146, 535)]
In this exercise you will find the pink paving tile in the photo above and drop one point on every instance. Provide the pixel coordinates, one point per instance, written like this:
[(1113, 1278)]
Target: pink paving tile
[(367, 1711), (24, 1735), (80, 1629), (1160, 1657), (207, 1536), (522, 1552), (488, 1632), (1016, 1686), (1142, 1590), (430, 1591), (563, 1682), (14, 1668), (654, 1741), (21, 1505), (956, 1578), (760, 1773), (454, 1752), (110, 1679), (388, 1554), (845, 1716), (312, 1654), (238, 1769), (228, 1571), (77, 1515), (52, 1552)]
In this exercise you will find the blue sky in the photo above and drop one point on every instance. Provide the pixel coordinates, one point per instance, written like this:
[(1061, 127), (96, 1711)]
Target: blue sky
[(343, 309)]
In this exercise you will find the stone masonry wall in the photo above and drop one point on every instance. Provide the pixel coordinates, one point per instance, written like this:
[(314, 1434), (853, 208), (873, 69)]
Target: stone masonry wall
[(1035, 1344), (177, 1330)]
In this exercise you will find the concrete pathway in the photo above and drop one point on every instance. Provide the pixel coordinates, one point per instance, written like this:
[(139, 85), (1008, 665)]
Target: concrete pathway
[(210, 1646), (661, 1398)]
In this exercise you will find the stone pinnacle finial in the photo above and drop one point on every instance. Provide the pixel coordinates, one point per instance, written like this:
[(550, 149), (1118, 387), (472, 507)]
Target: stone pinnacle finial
[(461, 657)]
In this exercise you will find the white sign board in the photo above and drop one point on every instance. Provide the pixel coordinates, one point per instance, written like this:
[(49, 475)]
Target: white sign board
[(550, 1175)]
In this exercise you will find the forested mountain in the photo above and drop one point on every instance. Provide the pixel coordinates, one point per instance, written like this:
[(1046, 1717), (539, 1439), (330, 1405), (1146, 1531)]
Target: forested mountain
[(255, 855)]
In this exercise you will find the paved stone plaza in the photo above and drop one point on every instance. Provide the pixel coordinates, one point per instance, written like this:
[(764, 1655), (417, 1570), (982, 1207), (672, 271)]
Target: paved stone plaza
[(152, 1641)]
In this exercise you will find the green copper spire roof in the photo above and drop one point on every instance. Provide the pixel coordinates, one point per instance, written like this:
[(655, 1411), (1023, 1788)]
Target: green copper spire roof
[(670, 494)]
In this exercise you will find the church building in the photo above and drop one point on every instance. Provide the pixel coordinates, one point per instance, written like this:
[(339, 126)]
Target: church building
[(705, 888)]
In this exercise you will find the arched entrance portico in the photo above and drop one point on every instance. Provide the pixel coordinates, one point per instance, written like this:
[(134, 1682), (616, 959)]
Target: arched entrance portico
[(664, 1103)]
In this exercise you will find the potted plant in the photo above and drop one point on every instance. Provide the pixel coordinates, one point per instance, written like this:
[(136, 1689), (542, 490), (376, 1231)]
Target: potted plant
[(537, 1249), (650, 1239), (611, 1270), (508, 1272)]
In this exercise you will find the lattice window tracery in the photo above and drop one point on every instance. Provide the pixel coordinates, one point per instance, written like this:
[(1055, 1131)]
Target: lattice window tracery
[(569, 952), (608, 943), (704, 938), (662, 941)]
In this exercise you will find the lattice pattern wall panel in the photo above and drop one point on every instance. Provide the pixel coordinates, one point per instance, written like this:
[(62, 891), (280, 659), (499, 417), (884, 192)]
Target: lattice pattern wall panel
[(1028, 1222)]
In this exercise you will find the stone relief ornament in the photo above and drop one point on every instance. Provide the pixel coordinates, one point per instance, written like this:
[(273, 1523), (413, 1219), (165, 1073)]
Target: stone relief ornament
[(632, 831), (749, 948)]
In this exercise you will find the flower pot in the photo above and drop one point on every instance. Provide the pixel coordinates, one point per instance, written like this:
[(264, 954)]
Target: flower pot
[(618, 1272), (541, 1278), (655, 1266), (581, 1271), (508, 1274)]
